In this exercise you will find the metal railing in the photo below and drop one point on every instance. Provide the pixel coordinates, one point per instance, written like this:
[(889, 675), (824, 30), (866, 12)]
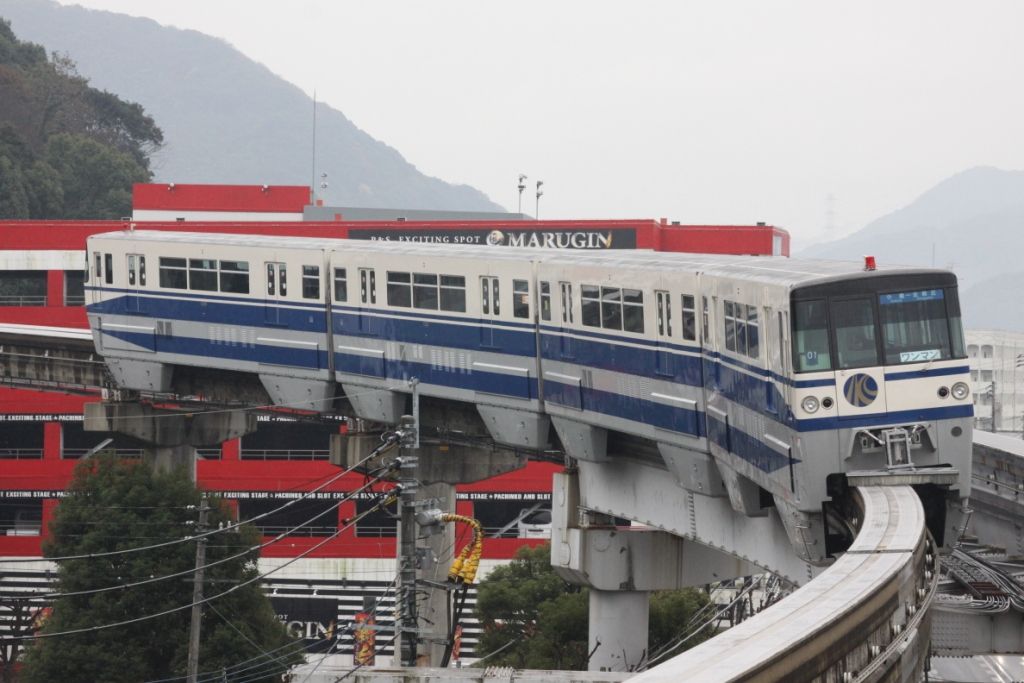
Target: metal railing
[(21, 453), (22, 300), (285, 454)]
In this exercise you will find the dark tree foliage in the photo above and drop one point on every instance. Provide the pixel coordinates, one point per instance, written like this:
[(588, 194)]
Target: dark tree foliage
[(117, 504), (532, 619), (67, 150)]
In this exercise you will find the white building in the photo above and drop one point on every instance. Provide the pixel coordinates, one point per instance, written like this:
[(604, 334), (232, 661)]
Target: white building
[(997, 373)]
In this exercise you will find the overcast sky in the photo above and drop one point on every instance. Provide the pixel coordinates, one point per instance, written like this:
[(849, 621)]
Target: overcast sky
[(703, 112)]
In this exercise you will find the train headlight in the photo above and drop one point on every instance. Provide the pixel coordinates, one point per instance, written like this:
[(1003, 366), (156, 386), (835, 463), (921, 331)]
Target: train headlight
[(809, 404), (960, 391)]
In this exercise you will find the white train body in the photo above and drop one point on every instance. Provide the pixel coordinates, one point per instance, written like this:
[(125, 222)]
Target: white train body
[(759, 378)]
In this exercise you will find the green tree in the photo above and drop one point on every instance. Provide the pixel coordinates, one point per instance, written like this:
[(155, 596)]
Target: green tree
[(67, 150), (115, 505), (532, 619)]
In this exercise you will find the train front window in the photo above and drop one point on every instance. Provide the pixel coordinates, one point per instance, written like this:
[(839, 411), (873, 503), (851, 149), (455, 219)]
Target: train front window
[(810, 337), (915, 327), (854, 322)]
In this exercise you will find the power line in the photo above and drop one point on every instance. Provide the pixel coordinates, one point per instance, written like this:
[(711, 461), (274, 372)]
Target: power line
[(234, 588), (390, 440)]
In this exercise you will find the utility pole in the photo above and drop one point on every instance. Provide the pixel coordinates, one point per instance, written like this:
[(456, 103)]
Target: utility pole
[(540, 193), (407, 533), (521, 186), (197, 595)]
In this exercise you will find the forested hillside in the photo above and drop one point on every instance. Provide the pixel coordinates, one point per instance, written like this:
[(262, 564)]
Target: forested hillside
[(67, 150)]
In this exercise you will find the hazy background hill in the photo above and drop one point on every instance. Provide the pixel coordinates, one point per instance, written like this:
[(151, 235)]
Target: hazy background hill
[(226, 118), (972, 222)]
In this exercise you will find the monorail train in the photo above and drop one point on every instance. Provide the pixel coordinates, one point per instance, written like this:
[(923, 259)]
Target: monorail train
[(763, 378)]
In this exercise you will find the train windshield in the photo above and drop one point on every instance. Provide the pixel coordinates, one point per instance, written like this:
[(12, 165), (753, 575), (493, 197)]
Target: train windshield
[(916, 326), (838, 329)]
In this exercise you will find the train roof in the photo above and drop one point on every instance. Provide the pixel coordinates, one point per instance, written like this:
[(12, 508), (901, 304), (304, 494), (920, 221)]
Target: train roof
[(769, 270)]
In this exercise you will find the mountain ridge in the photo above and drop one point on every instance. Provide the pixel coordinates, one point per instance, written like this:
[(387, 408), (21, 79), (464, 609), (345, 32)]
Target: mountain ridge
[(228, 118)]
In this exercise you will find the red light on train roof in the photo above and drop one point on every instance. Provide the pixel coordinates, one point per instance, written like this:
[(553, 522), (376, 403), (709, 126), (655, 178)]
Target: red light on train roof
[(869, 263)]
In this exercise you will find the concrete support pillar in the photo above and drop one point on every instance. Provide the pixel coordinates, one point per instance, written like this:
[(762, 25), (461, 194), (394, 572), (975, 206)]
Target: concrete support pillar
[(617, 629), (169, 458)]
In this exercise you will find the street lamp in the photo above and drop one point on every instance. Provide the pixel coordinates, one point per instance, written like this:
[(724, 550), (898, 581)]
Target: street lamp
[(540, 193), (522, 186)]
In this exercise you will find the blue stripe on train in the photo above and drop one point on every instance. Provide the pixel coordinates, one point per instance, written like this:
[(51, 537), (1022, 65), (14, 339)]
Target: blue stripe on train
[(307, 359)]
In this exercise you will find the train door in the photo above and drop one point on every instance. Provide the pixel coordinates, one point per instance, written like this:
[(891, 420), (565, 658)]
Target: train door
[(277, 290), (367, 296), (136, 270), (490, 309), (568, 351), (663, 357)]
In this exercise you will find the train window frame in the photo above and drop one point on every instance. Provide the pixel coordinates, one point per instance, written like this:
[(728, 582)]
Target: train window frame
[(98, 261), (452, 293), (729, 325), (663, 312), (132, 261), (425, 291), (108, 268), (341, 284), (689, 309), (399, 289), (202, 277), (310, 282), (142, 270), (753, 333), (841, 341), (567, 312), (171, 268), (896, 357), (521, 299), (233, 276), (799, 335), (633, 310), (545, 301), (85, 271), (590, 305)]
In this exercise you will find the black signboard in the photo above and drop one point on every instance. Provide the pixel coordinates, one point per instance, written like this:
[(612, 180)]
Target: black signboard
[(314, 620), (510, 236)]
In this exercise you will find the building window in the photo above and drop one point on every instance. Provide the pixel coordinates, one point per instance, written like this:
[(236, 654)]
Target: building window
[(74, 287), (986, 375), (310, 282), (972, 350), (974, 375), (23, 288), (986, 351)]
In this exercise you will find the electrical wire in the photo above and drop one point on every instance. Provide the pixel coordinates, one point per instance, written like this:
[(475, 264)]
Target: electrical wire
[(205, 600), (22, 595), (389, 441)]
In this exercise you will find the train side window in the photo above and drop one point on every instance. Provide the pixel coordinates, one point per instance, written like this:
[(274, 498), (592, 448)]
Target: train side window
[(98, 264), (282, 271), (142, 271), (453, 293), (131, 269), (424, 291), (234, 277), (108, 268), (173, 274), (399, 289), (567, 316), (633, 310), (705, 327), (689, 318), (730, 327), (611, 308), (520, 299), (545, 301), (753, 336), (485, 295), (202, 274), (590, 305), (310, 282), (810, 337), (271, 281), (340, 285), (495, 298)]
